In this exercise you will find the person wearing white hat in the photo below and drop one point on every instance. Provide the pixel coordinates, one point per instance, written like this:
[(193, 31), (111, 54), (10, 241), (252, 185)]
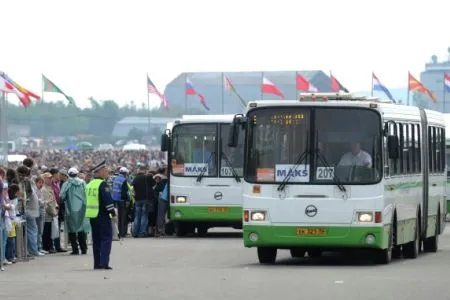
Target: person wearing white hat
[(73, 193)]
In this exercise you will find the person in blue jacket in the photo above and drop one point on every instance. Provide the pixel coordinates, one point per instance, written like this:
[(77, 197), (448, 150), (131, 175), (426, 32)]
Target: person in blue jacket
[(121, 199)]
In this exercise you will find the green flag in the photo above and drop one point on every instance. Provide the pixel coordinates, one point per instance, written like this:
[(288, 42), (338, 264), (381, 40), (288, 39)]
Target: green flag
[(49, 86)]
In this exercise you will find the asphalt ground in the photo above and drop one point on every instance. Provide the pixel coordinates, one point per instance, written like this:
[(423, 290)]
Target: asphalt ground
[(219, 267)]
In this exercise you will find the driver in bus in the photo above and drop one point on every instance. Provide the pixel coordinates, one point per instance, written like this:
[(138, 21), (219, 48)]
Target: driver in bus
[(356, 157)]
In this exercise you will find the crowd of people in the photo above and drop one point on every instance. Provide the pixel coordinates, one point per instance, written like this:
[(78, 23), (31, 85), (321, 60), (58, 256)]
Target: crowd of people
[(38, 199), (85, 159)]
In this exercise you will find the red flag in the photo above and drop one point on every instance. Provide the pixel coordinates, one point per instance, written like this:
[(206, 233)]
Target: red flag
[(415, 85), (304, 85), (269, 88)]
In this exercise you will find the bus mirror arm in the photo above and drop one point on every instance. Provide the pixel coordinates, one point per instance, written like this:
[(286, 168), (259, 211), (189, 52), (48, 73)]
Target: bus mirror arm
[(164, 142), (233, 135)]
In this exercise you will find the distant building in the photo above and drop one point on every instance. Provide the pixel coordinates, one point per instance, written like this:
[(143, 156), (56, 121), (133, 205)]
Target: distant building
[(248, 85), (123, 127), (433, 79), (16, 131)]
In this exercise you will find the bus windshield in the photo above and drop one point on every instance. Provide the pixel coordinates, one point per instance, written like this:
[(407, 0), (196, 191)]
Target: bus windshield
[(314, 145), (194, 150)]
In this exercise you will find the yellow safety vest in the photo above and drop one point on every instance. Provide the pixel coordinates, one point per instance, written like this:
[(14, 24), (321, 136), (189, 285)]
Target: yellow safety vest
[(93, 198), (131, 193)]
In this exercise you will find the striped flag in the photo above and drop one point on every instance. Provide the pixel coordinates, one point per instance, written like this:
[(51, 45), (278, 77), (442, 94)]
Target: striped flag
[(151, 89), (447, 82), (230, 88), (378, 86)]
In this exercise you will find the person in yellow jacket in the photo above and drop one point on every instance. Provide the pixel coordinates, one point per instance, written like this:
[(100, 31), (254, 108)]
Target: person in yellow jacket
[(100, 210)]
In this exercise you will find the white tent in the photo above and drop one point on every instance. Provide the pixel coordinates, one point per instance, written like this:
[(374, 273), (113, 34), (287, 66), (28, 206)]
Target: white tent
[(134, 147)]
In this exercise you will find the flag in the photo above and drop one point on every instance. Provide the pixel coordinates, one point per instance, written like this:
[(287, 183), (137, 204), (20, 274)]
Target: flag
[(9, 86), (151, 89), (268, 87), (305, 85), (21, 92), (190, 90), (377, 86), (230, 87), (447, 82), (336, 86), (49, 86), (415, 85)]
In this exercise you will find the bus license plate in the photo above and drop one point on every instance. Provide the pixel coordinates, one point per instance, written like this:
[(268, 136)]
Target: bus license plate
[(311, 231), (218, 209)]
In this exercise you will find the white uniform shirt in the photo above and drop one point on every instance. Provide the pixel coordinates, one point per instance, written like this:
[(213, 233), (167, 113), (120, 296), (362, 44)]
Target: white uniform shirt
[(361, 159)]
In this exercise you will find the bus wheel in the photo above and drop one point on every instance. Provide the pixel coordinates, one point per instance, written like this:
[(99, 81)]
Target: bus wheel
[(169, 228), (298, 252), (267, 255), (202, 230), (314, 253), (181, 229), (412, 249), (431, 244)]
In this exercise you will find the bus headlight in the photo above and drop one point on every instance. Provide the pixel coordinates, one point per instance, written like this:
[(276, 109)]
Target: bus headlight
[(180, 199), (365, 217), (258, 215)]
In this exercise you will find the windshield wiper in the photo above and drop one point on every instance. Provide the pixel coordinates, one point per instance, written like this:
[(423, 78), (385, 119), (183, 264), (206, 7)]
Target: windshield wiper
[(327, 165), (301, 157), (202, 173), (227, 160)]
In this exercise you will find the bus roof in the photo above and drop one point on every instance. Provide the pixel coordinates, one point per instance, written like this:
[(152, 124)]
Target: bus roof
[(205, 119)]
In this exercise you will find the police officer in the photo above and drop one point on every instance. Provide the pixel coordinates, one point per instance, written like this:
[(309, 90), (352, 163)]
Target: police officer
[(100, 210)]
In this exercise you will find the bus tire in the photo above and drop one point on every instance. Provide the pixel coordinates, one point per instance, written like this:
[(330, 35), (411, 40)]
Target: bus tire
[(202, 230), (384, 256), (411, 250), (431, 244), (180, 229), (169, 228), (314, 253), (267, 255), (298, 252)]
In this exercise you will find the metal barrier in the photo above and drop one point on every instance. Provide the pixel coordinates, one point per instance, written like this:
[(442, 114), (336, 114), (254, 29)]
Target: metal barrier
[(21, 241)]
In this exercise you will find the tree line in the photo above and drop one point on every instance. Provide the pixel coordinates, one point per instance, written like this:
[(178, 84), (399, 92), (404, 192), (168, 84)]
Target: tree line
[(59, 119)]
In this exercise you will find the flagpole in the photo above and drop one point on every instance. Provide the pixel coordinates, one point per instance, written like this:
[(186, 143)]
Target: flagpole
[(295, 85), (148, 107), (371, 88), (261, 85), (443, 94), (407, 95), (185, 94), (223, 93), (42, 88)]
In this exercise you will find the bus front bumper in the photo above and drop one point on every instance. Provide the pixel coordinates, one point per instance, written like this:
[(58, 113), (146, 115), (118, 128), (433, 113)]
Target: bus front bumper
[(205, 213), (327, 237)]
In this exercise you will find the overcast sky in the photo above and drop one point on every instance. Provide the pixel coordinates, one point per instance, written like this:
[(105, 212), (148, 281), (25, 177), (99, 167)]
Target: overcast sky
[(104, 48)]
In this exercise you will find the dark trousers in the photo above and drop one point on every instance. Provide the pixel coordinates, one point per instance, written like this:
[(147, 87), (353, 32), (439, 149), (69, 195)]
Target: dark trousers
[(123, 218), (78, 239), (47, 242), (101, 240)]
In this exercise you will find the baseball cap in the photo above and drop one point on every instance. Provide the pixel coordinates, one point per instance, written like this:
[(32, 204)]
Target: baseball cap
[(124, 170), (73, 171)]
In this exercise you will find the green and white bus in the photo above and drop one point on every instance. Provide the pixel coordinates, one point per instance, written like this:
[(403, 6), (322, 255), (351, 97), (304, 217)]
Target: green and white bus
[(447, 154), (333, 172), (205, 183)]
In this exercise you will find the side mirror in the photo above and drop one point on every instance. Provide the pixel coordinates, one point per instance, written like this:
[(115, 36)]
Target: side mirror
[(233, 135), (393, 147), (164, 142)]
